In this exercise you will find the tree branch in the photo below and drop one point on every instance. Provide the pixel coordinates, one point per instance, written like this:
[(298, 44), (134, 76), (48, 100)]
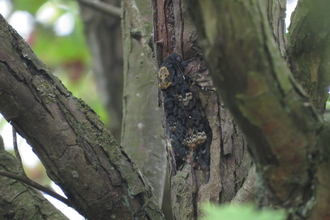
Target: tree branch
[(276, 15), (24, 178), (18, 156), (36, 185), (33, 203), (78, 152), (103, 7)]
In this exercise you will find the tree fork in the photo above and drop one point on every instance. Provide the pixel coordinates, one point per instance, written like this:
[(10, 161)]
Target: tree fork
[(283, 129)]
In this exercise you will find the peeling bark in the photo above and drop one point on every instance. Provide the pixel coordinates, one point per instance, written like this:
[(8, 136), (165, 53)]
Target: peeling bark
[(230, 161)]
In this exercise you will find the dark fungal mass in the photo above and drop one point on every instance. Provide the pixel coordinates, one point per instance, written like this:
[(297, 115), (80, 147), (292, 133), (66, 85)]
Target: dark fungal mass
[(187, 131)]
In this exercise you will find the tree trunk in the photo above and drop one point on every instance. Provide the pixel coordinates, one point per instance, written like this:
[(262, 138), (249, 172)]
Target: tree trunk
[(142, 131), (141, 137), (286, 136), (79, 154), (229, 160)]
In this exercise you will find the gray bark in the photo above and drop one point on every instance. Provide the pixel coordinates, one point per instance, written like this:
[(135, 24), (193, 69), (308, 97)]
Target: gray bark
[(142, 131)]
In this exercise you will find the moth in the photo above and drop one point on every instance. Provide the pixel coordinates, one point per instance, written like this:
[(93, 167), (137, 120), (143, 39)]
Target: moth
[(187, 130)]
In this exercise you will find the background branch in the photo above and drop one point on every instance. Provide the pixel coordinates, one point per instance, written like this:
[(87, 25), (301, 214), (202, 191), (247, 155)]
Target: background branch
[(36, 185), (103, 7), (18, 156), (20, 198)]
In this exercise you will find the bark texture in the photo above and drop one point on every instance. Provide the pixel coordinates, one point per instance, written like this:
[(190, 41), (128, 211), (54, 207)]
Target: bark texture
[(142, 130), (229, 160), (79, 154), (283, 129), (19, 201), (103, 34)]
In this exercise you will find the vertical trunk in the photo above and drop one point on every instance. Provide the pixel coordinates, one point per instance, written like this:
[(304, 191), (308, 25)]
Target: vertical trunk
[(142, 131)]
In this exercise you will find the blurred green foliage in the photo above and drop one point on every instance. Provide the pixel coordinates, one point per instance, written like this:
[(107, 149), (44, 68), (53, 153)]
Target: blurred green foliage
[(326, 115), (240, 212), (29, 6), (2, 122), (67, 55)]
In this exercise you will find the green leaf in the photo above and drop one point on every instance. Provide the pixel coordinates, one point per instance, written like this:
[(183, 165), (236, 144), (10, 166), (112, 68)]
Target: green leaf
[(240, 212)]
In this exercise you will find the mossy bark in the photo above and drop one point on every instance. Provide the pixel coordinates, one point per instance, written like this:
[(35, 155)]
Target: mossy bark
[(308, 49), (283, 129)]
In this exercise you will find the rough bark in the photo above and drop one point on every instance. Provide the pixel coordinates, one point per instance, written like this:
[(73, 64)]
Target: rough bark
[(103, 34), (308, 49), (142, 130), (19, 201), (230, 161), (286, 136), (78, 152)]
